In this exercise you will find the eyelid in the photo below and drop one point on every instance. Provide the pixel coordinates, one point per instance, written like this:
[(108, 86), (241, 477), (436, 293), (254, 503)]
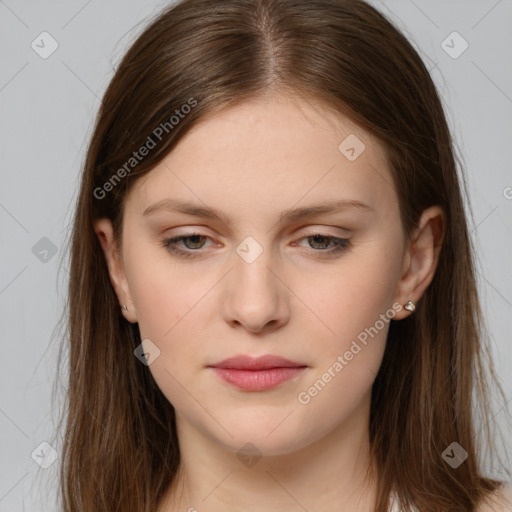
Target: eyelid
[(307, 233), (319, 230), (340, 244), (322, 230)]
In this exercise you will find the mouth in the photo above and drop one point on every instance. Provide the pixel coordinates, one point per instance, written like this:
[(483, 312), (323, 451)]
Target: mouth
[(257, 374)]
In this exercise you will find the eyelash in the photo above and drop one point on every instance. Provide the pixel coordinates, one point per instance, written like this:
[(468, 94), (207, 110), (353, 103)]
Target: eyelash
[(342, 245)]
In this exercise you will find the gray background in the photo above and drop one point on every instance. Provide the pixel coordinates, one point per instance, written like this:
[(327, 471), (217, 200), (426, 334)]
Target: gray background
[(47, 109)]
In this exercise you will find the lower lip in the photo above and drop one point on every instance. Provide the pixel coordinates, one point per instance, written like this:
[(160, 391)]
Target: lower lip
[(258, 380)]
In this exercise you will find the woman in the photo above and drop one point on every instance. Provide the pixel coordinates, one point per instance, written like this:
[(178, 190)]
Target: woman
[(272, 296)]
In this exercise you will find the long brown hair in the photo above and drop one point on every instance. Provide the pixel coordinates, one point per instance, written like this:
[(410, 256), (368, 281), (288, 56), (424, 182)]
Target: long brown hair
[(120, 449)]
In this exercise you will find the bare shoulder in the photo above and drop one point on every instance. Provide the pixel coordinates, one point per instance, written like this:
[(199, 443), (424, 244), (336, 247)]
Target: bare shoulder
[(501, 502)]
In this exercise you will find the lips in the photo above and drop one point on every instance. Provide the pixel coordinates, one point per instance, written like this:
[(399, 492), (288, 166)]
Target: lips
[(257, 374), (256, 363)]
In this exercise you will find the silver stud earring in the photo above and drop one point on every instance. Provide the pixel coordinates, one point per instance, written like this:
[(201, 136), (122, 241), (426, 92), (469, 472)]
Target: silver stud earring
[(410, 306), (125, 308)]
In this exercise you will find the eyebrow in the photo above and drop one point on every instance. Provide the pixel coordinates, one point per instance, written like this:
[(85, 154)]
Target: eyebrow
[(289, 215)]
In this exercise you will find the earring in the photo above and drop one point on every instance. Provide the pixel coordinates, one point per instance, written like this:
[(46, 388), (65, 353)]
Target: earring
[(125, 308), (410, 306)]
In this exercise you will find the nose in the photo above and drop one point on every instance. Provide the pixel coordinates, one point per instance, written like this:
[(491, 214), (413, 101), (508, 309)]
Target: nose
[(255, 296)]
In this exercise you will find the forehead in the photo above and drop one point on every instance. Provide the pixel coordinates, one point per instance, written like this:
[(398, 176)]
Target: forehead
[(261, 154)]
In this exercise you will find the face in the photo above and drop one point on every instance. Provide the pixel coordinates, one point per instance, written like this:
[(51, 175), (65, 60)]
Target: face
[(268, 274)]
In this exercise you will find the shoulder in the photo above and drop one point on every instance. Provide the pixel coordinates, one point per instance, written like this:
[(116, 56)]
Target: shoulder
[(501, 502)]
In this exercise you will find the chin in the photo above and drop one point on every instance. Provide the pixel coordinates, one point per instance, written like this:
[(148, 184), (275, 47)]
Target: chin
[(268, 437)]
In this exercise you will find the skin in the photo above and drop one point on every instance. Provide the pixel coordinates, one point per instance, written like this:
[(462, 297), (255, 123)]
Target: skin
[(251, 162)]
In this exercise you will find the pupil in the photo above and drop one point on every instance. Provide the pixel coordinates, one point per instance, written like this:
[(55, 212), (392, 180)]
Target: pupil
[(194, 239), (318, 239)]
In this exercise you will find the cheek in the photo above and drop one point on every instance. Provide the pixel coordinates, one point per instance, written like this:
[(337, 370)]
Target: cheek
[(170, 303), (334, 396), (357, 309), (170, 320), (165, 293), (353, 297), (354, 305)]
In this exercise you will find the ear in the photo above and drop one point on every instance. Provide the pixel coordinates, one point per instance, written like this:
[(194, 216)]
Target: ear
[(421, 257), (105, 233)]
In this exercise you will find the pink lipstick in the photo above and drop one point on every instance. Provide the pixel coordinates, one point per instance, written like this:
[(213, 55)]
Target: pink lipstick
[(257, 374)]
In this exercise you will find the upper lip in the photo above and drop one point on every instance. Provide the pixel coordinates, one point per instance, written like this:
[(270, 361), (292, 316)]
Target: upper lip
[(244, 362)]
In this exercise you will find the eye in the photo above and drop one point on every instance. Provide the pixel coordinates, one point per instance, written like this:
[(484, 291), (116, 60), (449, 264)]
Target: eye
[(194, 242), (321, 243), (172, 244)]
